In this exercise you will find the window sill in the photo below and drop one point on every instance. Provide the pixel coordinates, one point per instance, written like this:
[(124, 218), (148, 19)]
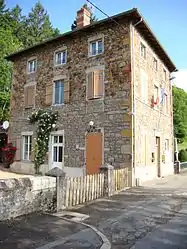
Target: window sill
[(96, 98), (58, 105), (59, 65), (95, 55), (31, 73), (27, 161), (29, 107)]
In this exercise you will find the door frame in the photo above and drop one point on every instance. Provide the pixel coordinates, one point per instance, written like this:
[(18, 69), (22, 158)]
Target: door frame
[(158, 159), (55, 133), (102, 131)]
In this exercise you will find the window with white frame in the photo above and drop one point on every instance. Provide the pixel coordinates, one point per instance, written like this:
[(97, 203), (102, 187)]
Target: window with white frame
[(58, 97), (143, 50), (27, 147), (32, 66), (60, 57), (57, 148), (96, 47)]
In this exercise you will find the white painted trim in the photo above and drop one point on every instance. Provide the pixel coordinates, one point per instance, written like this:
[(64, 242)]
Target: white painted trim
[(53, 133), (31, 59), (60, 50), (23, 135), (95, 39)]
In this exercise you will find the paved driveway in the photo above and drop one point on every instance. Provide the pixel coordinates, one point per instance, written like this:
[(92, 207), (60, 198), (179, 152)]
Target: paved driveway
[(154, 216)]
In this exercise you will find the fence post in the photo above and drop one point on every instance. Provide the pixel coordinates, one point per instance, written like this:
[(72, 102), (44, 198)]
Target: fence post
[(109, 185), (60, 186)]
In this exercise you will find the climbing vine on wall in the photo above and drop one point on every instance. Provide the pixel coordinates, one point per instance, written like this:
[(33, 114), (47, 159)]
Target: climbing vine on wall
[(46, 121)]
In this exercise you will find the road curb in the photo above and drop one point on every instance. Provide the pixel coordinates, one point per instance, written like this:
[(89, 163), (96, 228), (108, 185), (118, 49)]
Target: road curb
[(106, 243)]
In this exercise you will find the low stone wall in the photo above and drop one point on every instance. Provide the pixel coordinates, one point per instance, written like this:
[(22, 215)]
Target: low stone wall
[(28, 168), (25, 195)]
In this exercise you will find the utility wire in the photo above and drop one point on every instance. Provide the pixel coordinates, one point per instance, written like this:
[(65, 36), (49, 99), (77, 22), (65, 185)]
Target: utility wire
[(103, 12)]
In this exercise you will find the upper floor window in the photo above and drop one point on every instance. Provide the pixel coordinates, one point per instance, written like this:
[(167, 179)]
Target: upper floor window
[(58, 92), (27, 147), (144, 86), (95, 84), (166, 103), (143, 50), (32, 66), (61, 57), (155, 64), (165, 75), (96, 47), (29, 95)]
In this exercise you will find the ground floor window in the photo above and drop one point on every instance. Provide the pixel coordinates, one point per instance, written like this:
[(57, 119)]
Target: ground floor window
[(57, 146), (27, 147)]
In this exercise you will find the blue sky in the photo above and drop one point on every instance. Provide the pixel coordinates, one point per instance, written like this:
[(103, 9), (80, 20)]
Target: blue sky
[(167, 19)]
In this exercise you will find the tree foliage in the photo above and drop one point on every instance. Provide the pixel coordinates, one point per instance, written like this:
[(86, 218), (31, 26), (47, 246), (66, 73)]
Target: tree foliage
[(180, 113), (16, 32)]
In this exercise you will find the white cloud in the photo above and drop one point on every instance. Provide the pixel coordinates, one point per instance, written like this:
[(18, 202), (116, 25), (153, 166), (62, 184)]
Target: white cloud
[(180, 79)]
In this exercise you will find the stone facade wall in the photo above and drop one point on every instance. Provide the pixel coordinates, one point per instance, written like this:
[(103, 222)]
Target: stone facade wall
[(110, 114), (25, 195), (151, 122)]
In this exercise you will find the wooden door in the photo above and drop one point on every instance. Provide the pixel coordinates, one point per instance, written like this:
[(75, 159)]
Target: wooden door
[(94, 151), (158, 156)]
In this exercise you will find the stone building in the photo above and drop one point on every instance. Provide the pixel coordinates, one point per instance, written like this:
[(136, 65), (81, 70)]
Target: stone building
[(110, 83)]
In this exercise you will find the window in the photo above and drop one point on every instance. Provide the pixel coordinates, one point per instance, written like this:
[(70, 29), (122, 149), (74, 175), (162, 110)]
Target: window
[(29, 95), (96, 47), (166, 144), (155, 64), (143, 50), (58, 92), (60, 58), (166, 103), (144, 87), (95, 84), (27, 147), (57, 149), (164, 73), (32, 66)]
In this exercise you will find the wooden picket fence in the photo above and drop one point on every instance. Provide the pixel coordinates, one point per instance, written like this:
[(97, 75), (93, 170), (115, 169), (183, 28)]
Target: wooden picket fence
[(121, 179), (84, 189)]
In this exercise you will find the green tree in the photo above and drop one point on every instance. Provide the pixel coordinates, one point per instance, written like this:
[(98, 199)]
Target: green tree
[(180, 113), (37, 26), (8, 43)]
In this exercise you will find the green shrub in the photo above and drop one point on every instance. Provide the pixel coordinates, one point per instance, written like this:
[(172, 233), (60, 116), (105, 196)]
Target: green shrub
[(183, 155)]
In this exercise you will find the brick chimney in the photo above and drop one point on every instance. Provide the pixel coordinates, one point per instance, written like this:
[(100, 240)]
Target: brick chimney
[(83, 17)]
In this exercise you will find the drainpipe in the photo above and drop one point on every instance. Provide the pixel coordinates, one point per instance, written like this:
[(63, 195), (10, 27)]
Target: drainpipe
[(133, 101)]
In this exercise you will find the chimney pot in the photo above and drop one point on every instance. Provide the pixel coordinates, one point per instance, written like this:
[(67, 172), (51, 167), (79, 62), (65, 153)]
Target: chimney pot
[(83, 17)]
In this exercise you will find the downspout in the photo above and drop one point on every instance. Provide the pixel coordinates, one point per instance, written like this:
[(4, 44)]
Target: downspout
[(133, 100)]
